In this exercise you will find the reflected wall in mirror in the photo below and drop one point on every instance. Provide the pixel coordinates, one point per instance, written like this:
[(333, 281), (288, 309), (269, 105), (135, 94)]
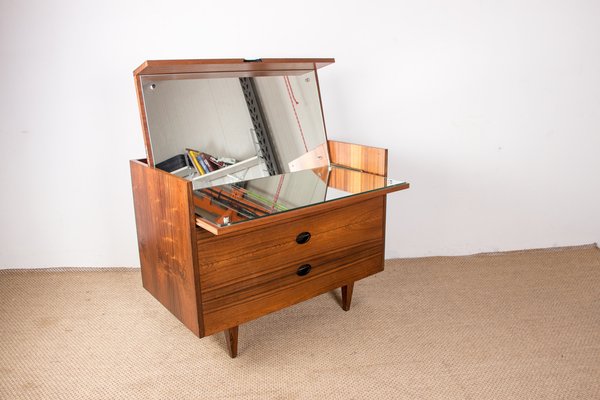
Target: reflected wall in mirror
[(224, 129)]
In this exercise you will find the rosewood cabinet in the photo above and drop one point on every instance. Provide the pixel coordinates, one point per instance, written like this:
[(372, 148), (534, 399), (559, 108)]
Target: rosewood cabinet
[(242, 205)]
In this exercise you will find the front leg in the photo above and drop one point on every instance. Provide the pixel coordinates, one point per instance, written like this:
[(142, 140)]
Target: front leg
[(347, 296), (231, 337)]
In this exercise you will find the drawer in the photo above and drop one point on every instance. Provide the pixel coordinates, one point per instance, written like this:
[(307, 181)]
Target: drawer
[(244, 276)]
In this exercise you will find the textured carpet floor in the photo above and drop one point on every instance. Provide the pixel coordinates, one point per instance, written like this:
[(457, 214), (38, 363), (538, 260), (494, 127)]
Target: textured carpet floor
[(518, 325)]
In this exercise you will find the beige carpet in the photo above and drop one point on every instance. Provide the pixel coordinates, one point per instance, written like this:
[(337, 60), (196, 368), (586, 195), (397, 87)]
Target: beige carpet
[(519, 325)]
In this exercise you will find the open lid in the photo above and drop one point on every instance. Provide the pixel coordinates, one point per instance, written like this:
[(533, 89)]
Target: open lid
[(263, 115)]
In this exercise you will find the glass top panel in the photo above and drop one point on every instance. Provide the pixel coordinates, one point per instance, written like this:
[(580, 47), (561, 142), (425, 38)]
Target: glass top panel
[(241, 201)]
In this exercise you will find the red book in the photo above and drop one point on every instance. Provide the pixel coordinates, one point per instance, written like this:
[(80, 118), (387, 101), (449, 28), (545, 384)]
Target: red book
[(214, 161)]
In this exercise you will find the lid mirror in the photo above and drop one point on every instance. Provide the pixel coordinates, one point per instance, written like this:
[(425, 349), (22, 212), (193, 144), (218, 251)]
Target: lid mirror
[(217, 130)]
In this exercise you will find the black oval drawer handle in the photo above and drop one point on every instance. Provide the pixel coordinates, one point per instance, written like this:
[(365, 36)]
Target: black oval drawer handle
[(303, 269), (303, 237)]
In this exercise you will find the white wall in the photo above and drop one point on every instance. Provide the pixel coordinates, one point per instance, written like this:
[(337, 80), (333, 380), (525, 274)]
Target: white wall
[(490, 109)]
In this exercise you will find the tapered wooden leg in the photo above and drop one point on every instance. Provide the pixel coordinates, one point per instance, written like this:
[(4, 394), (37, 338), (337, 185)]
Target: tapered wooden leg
[(231, 337), (347, 296)]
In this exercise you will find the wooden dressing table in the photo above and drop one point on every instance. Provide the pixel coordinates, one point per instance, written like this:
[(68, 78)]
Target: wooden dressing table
[(280, 214)]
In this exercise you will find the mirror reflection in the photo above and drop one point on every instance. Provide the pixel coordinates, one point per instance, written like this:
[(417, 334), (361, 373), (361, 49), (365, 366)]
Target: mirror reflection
[(242, 201), (221, 130)]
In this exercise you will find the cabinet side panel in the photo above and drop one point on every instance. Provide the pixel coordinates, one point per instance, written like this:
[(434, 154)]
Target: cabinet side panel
[(364, 158), (166, 240)]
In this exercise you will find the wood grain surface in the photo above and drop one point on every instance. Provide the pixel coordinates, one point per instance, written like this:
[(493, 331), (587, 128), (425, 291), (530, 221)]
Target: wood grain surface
[(152, 67), (363, 158), (166, 233), (250, 274)]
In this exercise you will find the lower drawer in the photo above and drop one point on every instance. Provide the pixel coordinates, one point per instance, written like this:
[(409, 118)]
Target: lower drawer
[(245, 276)]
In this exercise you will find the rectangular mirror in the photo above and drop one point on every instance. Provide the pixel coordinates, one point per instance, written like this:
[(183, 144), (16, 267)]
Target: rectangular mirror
[(219, 128), (247, 200)]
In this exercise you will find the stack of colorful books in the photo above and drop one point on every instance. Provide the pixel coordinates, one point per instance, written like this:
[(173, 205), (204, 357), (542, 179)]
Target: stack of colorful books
[(205, 163)]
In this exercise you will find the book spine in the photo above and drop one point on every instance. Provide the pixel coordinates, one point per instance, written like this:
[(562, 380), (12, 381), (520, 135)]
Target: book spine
[(215, 162), (192, 155), (203, 163), (204, 158)]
